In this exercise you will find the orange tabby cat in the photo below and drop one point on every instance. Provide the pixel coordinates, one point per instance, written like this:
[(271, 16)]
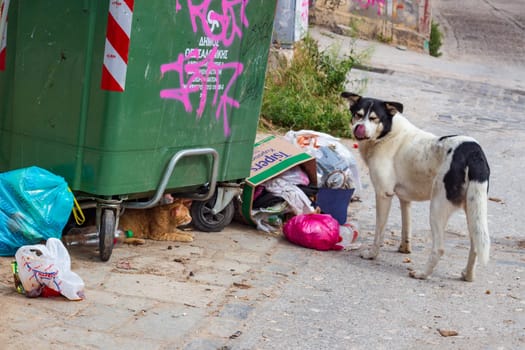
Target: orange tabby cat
[(158, 223)]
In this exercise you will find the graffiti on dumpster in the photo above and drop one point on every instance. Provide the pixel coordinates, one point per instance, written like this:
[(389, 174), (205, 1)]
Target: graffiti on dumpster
[(200, 69), (202, 16), (380, 4), (203, 74)]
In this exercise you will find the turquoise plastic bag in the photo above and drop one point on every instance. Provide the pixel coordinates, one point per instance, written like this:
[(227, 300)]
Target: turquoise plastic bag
[(34, 206)]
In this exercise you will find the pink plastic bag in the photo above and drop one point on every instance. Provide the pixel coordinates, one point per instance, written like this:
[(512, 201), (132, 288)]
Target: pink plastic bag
[(316, 231)]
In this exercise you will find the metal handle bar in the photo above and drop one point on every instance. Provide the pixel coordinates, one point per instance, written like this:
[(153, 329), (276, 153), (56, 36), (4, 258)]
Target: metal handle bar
[(169, 170)]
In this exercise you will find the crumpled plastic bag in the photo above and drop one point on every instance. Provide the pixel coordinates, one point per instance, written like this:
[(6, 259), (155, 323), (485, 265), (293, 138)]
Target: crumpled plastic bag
[(34, 206), (315, 231), (295, 176), (296, 199), (269, 219), (336, 165), (49, 266), (285, 186)]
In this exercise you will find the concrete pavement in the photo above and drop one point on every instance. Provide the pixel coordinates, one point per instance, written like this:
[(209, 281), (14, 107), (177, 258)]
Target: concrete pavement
[(158, 296)]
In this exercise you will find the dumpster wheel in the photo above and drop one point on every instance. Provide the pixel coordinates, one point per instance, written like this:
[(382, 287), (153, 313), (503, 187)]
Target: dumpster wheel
[(106, 234), (203, 218)]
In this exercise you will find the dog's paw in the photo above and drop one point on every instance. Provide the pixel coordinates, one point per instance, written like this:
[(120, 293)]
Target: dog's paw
[(370, 253), (468, 277), (405, 248), (418, 275)]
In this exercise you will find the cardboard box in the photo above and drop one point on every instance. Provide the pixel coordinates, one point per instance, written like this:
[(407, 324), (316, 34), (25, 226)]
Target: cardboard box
[(271, 157)]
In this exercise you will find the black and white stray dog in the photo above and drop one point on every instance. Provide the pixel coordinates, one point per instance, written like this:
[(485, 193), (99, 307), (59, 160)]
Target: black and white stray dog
[(414, 165)]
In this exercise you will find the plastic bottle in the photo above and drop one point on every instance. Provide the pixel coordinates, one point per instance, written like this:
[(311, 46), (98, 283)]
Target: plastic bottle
[(349, 233), (18, 284), (78, 236), (274, 223), (275, 220), (88, 236), (120, 236)]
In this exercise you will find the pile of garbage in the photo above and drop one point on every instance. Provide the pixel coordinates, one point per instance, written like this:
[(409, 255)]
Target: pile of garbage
[(34, 207), (308, 206), (336, 165)]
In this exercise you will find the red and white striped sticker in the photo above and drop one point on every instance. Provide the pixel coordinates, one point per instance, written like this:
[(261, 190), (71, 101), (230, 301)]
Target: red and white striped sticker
[(117, 45), (4, 5)]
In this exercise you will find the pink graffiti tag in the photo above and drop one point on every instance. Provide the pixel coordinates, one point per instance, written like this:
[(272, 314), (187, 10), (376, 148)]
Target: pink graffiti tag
[(226, 21), (370, 3), (304, 10), (199, 74)]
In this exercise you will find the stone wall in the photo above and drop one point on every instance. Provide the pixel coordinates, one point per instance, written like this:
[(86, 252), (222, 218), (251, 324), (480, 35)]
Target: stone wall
[(397, 22)]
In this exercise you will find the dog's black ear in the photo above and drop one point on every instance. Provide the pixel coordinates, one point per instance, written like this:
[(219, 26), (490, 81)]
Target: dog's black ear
[(394, 107), (351, 97)]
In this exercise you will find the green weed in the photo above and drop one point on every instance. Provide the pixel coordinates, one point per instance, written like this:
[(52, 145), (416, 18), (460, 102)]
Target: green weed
[(435, 40), (305, 93)]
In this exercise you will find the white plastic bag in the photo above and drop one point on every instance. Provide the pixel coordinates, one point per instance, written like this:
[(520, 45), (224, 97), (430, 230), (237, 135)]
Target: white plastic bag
[(315, 143), (297, 200), (295, 176), (48, 265)]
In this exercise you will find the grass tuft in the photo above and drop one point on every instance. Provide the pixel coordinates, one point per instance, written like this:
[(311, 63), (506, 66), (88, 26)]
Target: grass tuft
[(305, 92)]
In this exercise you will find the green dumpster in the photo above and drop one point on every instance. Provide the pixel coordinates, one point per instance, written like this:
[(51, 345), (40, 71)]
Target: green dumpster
[(130, 99)]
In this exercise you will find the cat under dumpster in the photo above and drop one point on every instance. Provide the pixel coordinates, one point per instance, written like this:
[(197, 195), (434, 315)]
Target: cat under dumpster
[(286, 182)]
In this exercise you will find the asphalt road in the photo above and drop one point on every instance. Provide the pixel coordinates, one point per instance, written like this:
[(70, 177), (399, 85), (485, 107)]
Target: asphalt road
[(486, 31)]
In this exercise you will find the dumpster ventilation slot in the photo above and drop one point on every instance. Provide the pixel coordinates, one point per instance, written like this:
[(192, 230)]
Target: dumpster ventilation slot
[(117, 45)]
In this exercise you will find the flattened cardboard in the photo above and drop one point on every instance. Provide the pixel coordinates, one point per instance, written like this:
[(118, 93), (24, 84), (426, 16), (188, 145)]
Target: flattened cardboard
[(271, 157)]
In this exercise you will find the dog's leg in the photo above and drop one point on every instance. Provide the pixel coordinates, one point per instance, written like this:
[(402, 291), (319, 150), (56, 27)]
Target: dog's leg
[(383, 203), (468, 273), (406, 227), (440, 211)]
